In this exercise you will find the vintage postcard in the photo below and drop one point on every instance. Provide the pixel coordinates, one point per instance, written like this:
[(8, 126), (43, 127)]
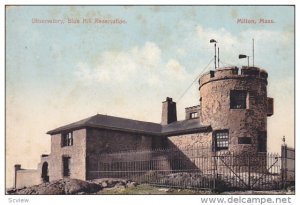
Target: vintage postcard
[(154, 99)]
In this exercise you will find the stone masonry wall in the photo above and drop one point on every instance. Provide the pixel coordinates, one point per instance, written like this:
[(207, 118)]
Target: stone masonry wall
[(77, 152), (188, 141), (194, 151), (190, 152), (100, 141)]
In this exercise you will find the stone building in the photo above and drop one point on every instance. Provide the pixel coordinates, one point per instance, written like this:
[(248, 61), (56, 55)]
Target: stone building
[(231, 117)]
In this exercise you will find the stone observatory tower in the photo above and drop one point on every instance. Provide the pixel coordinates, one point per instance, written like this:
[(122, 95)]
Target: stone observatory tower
[(234, 102)]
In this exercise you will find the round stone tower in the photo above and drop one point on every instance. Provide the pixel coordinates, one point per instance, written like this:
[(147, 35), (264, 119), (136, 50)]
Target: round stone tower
[(234, 102)]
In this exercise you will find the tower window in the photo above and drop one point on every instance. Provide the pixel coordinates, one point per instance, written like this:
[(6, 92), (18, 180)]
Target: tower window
[(67, 139), (238, 99), (244, 140), (221, 140), (193, 115)]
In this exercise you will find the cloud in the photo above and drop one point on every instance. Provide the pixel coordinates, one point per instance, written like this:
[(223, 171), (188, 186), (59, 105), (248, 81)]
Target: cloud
[(150, 66), (138, 64), (112, 65), (227, 39), (154, 81), (223, 36), (147, 64), (82, 71), (269, 44), (149, 55), (175, 69)]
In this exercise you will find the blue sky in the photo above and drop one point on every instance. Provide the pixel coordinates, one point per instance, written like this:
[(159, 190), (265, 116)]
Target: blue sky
[(57, 74)]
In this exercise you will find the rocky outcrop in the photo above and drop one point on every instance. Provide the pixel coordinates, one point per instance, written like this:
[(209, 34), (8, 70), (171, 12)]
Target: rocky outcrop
[(109, 183), (73, 186)]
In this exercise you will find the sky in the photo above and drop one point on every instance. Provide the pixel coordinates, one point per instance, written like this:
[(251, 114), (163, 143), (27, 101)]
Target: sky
[(61, 73)]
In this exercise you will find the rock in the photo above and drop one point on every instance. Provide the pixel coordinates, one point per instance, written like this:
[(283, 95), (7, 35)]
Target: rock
[(164, 190), (62, 186), (131, 184), (120, 184), (74, 186), (81, 193), (111, 183), (50, 190), (11, 190), (104, 184)]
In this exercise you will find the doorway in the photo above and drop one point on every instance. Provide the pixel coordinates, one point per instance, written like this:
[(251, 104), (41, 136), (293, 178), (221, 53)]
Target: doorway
[(45, 176), (66, 166)]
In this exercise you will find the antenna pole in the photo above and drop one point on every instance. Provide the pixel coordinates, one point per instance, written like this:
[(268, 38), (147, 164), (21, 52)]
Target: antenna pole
[(218, 58), (215, 57), (253, 50), (248, 60)]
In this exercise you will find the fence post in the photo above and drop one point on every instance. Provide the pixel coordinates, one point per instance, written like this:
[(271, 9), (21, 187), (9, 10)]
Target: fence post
[(284, 164), (215, 169), (98, 170), (249, 172)]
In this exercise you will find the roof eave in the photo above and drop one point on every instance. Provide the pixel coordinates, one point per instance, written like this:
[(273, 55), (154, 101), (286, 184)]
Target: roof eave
[(57, 131), (60, 130), (188, 131), (159, 133)]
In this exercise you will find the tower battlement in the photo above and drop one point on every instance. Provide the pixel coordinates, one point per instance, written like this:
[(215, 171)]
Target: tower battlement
[(233, 73)]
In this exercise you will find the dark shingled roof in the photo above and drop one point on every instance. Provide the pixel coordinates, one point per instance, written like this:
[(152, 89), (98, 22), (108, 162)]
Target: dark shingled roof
[(184, 126), (114, 123), (128, 125)]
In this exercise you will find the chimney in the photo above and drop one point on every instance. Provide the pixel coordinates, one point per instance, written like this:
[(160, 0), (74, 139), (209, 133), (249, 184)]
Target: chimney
[(17, 168), (169, 113)]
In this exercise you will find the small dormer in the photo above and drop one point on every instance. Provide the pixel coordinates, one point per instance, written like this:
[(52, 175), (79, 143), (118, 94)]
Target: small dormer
[(192, 112)]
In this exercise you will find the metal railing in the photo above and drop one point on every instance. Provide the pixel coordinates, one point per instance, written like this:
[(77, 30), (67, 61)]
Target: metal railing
[(288, 164), (193, 167)]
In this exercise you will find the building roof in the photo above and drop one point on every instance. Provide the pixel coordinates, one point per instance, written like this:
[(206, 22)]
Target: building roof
[(135, 126), (184, 126), (115, 123)]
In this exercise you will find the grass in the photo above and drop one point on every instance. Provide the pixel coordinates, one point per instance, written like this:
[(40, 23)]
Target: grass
[(145, 189)]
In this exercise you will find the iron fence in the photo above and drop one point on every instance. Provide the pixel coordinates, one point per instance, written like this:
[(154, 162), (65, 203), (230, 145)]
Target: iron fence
[(288, 164), (194, 167)]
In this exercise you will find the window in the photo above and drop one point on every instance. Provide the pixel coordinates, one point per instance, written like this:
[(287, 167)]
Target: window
[(244, 140), (193, 115), (66, 166), (270, 106), (221, 140), (262, 141), (67, 139), (238, 99)]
